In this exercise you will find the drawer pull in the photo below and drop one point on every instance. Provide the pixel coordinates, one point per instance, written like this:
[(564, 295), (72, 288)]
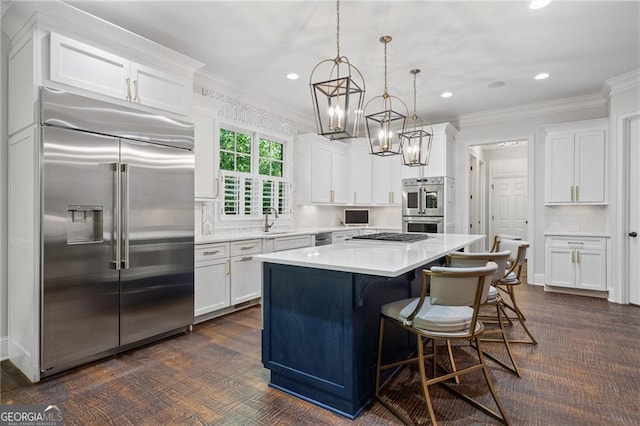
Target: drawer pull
[(246, 247), (245, 258), (573, 258), (575, 242), (209, 253), (578, 256)]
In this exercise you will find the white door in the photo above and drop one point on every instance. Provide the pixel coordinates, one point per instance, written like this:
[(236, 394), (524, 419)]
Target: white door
[(634, 210), (509, 205), (474, 195)]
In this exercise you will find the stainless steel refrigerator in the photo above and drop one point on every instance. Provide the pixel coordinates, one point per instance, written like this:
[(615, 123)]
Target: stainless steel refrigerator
[(118, 228)]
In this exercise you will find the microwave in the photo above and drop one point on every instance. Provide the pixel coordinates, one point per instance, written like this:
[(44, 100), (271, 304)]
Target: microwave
[(423, 196), (356, 217)]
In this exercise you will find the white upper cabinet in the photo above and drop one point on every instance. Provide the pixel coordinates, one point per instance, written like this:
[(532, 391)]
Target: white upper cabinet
[(387, 180), (206, 177), (442, 160), (86, 67), (360, 164), (321, 170), (575, 163)]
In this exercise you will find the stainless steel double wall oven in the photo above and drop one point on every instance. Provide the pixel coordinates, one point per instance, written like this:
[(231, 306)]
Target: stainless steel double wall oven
[(423, 205)]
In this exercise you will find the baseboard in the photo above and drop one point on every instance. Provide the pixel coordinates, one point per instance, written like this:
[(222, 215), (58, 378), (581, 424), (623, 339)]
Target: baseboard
[(4, 348), (538, 279), (576, 291)]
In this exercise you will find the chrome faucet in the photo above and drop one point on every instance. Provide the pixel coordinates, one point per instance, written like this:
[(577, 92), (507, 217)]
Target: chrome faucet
[(268, 225)]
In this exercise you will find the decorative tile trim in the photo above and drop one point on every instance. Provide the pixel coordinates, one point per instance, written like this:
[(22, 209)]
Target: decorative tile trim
[(237, 110), (208, 218)]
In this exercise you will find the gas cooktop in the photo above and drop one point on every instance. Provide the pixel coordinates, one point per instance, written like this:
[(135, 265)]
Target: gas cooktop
[(393, 236)]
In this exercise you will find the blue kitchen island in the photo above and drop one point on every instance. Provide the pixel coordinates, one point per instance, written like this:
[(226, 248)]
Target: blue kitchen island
[(321, 308)]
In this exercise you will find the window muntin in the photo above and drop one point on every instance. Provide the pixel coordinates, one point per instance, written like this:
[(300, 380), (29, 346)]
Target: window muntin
[(235, 151), (271, 157)]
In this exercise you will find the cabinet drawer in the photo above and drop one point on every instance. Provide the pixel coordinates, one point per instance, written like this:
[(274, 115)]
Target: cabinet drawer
[(592, 243), (208, 252), (288, 243), (244, 247)]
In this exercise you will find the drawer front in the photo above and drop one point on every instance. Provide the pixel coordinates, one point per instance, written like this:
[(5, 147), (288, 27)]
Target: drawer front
[(288, 243), (245, 247), (208, 252), (591, 243)]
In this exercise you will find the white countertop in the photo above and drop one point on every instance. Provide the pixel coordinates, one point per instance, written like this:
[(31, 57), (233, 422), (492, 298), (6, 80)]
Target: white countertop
[(373, 257), (577, 234), (205, 239)]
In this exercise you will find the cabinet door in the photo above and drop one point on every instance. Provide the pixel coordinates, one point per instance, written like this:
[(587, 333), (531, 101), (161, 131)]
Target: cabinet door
[(246, 279), (320, 174), (591, 270), (160, 90), (387, 189), (206, 183), (211, 287), (360, 171), (83, 66), (339, 182), (590, 166), (559, 267), (438, 158), (559, 168)]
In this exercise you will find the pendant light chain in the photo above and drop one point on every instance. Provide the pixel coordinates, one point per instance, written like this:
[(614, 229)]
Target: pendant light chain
[(415, 115), (338, 28)]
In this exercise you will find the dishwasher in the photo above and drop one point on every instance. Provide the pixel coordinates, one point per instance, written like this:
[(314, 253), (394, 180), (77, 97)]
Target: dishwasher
[(323, 238)]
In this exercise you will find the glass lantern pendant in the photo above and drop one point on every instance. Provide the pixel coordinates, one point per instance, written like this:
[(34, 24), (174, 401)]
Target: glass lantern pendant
[(415, 143), (338, 99), (384, 127)]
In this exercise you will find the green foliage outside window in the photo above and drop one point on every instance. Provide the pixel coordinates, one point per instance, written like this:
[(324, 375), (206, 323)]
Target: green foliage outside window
[(271, 158), (235, 151)]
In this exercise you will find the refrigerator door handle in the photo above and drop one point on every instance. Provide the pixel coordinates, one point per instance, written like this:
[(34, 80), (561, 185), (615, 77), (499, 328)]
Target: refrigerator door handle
[(124, 212), (116, 248)]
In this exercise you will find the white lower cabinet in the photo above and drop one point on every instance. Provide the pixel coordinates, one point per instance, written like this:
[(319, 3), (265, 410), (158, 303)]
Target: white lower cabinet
[(212, 289), (338, 237), (246, 281), (576, 262)]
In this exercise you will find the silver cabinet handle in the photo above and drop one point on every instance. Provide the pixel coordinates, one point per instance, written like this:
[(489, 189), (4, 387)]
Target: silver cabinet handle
[(128, 97), (577, 193), (246, 247), (136, 97), (245, 258), (228, 266), (578, 256), (209, 253), (573, 259)]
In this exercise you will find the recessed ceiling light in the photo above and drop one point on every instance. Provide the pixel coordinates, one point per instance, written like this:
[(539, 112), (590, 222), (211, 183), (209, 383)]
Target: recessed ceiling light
[(446, 94), (496, 84), (539, 4), (542, 76), (293, 76)]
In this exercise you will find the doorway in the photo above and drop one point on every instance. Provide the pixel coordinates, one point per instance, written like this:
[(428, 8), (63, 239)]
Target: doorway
[(498, 189)]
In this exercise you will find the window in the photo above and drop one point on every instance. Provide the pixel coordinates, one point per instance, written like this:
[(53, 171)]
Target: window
[(253, 173)]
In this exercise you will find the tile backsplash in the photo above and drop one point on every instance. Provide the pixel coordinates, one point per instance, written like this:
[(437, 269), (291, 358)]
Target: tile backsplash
[(576, 218)]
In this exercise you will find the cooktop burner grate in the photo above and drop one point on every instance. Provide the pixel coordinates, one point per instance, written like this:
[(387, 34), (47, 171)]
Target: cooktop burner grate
[(393, 236)]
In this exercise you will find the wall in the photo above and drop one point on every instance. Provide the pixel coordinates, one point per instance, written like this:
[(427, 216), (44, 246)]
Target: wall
[(4, 142), (312, 216), (517, 124)]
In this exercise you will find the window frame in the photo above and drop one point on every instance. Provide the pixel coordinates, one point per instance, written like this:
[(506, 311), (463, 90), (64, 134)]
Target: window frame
[(287, 172)]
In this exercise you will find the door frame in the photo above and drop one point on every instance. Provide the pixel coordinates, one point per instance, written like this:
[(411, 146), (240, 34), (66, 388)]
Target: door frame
[(619, 240), (464, 191)]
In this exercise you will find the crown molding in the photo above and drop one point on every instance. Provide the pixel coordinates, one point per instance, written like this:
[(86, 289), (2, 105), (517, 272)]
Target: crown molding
[(622, 82), (531, 110)]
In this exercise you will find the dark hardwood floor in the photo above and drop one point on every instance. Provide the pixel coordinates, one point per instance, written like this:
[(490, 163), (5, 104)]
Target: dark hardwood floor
[(584, 371)]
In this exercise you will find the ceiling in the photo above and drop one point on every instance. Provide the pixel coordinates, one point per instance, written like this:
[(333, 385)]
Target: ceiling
[(460, 46)]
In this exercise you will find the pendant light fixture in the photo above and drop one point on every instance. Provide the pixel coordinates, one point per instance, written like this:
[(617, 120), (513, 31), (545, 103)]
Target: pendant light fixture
[(338, 99), (384, 127), (416, 141)]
